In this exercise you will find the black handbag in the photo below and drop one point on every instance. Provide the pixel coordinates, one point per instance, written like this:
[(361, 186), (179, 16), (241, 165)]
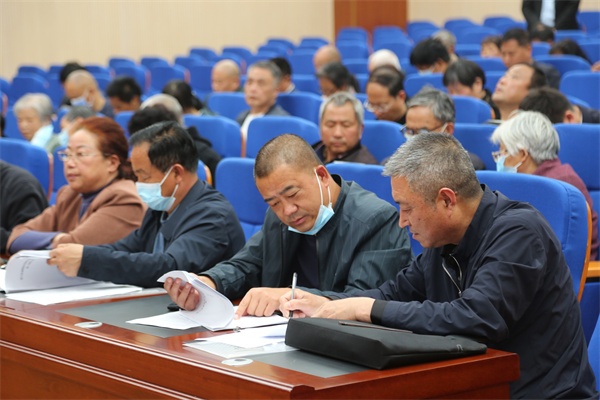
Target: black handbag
[(375, 346)]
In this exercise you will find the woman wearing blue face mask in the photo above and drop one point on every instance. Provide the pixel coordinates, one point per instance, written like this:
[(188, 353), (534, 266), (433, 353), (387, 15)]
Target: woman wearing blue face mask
[(99, 204), (529, 144)]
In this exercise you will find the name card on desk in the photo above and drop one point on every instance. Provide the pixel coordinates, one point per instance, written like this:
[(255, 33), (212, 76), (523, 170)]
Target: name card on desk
[(215, 311)]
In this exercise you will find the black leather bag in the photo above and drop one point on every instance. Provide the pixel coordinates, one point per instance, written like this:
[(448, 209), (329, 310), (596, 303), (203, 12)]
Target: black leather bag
[(375, 346)]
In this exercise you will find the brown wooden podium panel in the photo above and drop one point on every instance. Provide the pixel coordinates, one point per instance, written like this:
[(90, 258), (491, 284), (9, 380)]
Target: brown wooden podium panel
[(43, 355)]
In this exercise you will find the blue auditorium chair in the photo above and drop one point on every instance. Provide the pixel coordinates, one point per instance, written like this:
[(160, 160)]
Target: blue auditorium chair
[(306, 83), (279, 49), (357, 66), (565, 63), (466, 50), (540, 49), (122, 119), (456, 25), (488, 64), (204, 173), (562, 205), (11, 129), (289, 45), (188, 62), (98, 69), (32, 69), (222, 132), (235, 179), (4, 85), (415, 25), (58, 174), (151, 61), (422, 33), (227, 104), (475, 34), (313, 41), (382, 138), (496, 20), (349, 49), (137, 72), (230, 56), (262, 55), (591, 47), (401, 49), (575, 34), (261, 130), (303, 105), (56, 92), (23, 84), (120, 62), (301, 61), (491, 79), (102, 79), (476, 139), (241, 51), (27, 156), (413, 83), (591, 22), (204, 52), (471, 110), (582, 84), (161, 75), (200, 78), (352, 32)]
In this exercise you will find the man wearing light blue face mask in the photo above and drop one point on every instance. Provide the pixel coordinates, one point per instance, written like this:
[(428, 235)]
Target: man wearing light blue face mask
[(332, 233), (189, 226), (82, 90), (430, 56)]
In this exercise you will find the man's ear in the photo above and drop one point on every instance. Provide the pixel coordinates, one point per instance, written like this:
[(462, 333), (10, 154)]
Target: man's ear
[(178, 172), (447, 197)]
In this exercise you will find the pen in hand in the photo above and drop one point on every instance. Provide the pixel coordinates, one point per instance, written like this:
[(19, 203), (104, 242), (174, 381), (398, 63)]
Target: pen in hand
[(294, 278)]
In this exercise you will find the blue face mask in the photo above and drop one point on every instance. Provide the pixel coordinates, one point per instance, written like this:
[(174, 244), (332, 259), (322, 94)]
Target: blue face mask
[(81, 101), (500, 167), (324, 215), (151, 194)]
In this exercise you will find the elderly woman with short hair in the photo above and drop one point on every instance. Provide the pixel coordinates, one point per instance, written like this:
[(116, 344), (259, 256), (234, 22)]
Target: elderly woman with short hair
[(34, 118), (529, 144)]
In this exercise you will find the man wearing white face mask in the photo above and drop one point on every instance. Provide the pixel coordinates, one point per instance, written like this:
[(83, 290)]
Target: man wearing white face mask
[(82, 90), (189, 225), (332, 233)]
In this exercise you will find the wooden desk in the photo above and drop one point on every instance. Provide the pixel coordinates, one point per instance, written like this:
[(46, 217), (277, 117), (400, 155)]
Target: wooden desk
[(43, 355)]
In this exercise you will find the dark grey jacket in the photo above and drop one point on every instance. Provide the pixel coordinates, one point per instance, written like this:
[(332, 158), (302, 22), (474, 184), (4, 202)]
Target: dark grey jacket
[(274, 110), (359, 248)]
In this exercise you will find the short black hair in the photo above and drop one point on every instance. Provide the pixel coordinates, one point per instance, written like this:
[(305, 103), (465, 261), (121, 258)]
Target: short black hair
[(283, 64), (125, 88), (545, 34), (389, 77), (68, 68), (170, 144), (149, 116), (549, 101), (183, 93), (569, 47), (339, 75), (538, 79), (464, 72), (518, 34), (428, 51)]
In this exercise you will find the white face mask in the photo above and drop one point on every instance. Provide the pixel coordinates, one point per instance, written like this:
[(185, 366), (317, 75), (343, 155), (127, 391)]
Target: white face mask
[(324, 215)]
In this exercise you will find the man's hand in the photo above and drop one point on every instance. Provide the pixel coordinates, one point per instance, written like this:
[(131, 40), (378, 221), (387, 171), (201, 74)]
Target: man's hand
[(353, 309), (260, 302), (185, 296), (67, 257), (305, 304)]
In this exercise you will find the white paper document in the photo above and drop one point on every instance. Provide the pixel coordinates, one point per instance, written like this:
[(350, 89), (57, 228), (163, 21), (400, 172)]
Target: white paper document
[(215, 311), (81, 292)]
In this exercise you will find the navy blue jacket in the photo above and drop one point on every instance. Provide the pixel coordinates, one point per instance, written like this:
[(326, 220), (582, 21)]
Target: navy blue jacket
[(202, 231), (517, 295)]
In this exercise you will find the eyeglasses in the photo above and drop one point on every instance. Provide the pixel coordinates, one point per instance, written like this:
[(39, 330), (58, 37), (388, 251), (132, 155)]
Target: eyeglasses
[(65, 156), (408, 132), (377, 107), (497, 154)]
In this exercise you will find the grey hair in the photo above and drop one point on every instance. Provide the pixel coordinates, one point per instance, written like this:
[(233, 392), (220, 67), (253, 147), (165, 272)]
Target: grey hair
[(79, 112), (339, 99), (440, 103), (39, 102), (432, 161), (271, 66), (446, 37), (531, 131), (166, 100)]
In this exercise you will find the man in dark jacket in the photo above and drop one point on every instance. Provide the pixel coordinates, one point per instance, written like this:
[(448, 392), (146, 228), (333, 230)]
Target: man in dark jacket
[(335, 235), (491, 268), (341, 122), (189, 225)]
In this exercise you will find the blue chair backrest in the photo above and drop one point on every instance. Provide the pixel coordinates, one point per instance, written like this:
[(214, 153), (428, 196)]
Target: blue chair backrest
[(476, 34), (160, 75), (494, 21), (413, 83), (594, 353), (382, 138), (362, 97), (401, 49), (241, 51), (306, 83), (303, 105), (540, 49), (137, 72), (200, 77), (301, 61), (261, 130), (262, 55), (580, 84), (313, 41), (350, 49), (32, 69), (23, 84), (411, 26), (455, 25), (58, 174), (592, 49), (591, 22), (27, 156), (11, 129), (560, 203), (55, 90), (201, 171), (476, 139), (227, 104), (471, 110), (188, 62), (356, 65), (488, 63), (575, 34), (235, 179), (222, 132), (565, 63), (350, 32), (151, 61), (122, 119), (467, 49), (120, 62), (279, 49), (491, 79), (230, 56), (204, 52), (282, 41)]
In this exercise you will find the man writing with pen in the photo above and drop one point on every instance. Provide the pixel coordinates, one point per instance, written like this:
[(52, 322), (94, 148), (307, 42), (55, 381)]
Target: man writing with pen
[(335, 235)]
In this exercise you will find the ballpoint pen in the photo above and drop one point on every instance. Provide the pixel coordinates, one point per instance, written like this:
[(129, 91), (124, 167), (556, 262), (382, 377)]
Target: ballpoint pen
[(294, 278)]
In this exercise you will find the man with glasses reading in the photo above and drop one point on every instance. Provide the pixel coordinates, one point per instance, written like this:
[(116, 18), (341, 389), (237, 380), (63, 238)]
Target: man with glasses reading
[(189, 225), (385, 94), (432, 110), (491, 268)]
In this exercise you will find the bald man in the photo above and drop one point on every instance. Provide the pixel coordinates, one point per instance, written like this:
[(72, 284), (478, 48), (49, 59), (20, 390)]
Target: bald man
[(383, 57), (82, 90), (325, 55), (225, 77)]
